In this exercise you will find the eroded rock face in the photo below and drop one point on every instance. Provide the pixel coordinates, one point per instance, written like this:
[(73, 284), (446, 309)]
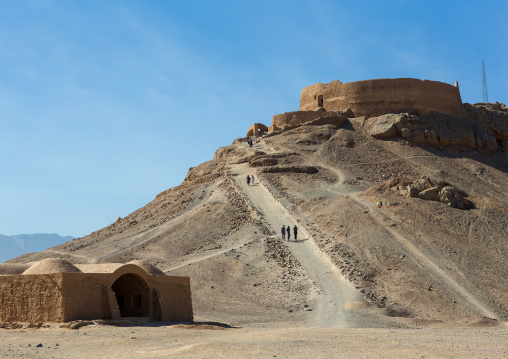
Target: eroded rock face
[(431, 190), (493, 115), (384, 128), (481, 127)]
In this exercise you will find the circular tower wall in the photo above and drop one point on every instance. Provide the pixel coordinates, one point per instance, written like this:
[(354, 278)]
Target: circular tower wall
[(378, 97)]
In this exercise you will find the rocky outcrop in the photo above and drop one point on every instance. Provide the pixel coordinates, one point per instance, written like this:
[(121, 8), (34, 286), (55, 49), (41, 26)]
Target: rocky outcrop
[(482, 127), (385, 127), (453, 198), (432, 190), (493, 115)]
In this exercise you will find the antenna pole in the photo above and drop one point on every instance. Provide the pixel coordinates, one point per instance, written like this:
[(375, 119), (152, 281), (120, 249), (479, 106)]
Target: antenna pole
[(484, 78)]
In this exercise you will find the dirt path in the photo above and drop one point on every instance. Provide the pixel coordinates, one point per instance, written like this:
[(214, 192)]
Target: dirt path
[(65, 255), (333, 291), (203, 257), (424, 260)]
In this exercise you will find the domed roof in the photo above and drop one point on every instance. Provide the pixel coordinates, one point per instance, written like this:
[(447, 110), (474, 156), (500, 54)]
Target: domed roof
[(99, 267), (52, 265), (147, 267)]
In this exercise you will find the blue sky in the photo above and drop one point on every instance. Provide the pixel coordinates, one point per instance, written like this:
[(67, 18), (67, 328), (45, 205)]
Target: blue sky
[(104, 104)]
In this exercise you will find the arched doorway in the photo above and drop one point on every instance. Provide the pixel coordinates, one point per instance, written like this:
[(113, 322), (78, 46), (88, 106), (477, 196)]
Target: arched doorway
[(132, 296)]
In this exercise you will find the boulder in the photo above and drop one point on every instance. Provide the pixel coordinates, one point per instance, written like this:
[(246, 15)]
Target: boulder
[(411, 122), (459, 136), (418, 136), (485, 140), (453, 198), (337, 120), (422, 183), (405, 133), (384, 127), (431, 137), (430, 194), (409, 191), (347, 113), (432, 190)]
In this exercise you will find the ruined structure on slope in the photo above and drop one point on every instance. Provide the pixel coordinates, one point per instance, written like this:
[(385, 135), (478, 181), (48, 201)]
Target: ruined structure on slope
[(381, 96), (368, 98), (256, 129), (54, 290)]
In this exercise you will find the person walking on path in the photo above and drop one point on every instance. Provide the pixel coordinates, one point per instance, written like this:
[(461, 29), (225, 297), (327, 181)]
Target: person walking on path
[(295, 231), (248, 180), (288, 230), (252, 179), (283, 231)]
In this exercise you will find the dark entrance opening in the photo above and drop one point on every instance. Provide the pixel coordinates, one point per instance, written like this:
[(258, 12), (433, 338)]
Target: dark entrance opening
[(132, 296), (320, 101)]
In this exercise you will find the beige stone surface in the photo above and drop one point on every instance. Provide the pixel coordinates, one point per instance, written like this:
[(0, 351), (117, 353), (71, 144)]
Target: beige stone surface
[(31, 298), (50, 266), (380, 96), (256, 129), (293, 119), (54, 290), (384, 128)]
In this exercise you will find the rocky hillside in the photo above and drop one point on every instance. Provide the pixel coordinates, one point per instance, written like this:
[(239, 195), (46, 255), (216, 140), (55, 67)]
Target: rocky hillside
[(412, 211)]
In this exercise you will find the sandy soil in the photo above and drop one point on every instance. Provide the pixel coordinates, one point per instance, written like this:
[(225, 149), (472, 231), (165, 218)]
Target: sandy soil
[(260, 341)]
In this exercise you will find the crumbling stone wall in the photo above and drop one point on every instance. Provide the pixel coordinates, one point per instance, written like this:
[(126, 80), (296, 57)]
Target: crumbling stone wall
[(256, 129), (378, 97), (297, 117), (287, 120), (31, 298)]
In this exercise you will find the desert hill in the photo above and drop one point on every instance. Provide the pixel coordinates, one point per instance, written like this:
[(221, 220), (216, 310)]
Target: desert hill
[(381, 240)]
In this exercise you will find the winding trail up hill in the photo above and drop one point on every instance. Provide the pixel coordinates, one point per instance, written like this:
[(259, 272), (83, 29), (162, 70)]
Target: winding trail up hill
[(334, 291)]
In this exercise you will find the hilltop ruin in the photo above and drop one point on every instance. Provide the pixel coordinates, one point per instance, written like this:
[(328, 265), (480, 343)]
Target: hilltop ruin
[(368, 98), (419, 111)]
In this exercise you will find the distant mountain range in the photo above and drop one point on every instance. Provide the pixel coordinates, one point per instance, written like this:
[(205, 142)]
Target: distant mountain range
[(16, 245)]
